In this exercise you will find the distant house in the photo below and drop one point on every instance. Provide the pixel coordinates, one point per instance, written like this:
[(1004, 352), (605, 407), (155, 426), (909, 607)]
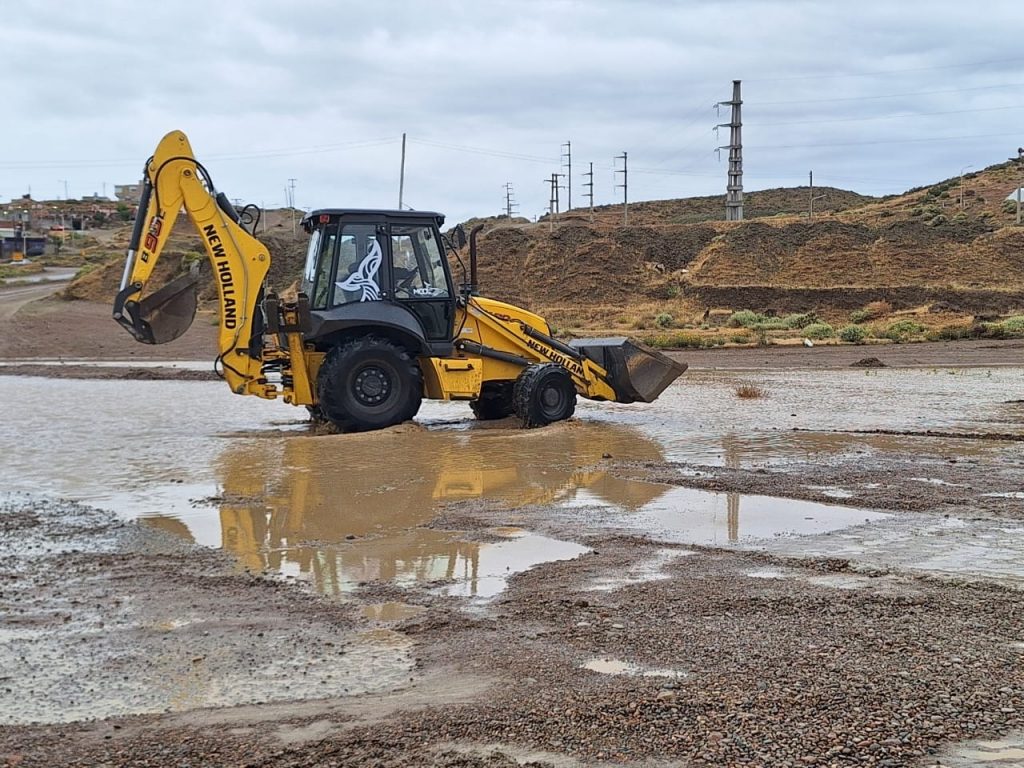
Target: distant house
[(128, 193)]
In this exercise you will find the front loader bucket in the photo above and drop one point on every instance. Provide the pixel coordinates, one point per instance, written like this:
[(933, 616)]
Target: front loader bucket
[(636, 373), (166, 313)]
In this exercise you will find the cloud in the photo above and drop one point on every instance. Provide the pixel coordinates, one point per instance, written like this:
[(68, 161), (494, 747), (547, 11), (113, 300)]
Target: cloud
[(269, 91)]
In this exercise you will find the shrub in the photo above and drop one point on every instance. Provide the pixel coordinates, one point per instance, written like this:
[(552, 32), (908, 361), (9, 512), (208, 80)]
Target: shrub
[(854, 334), (903, 330), (749, 391), (937, 221), (954, 332), (663, 320), (1013, 327), (740, 338), (799, 321), (859, 316), (916, 211), (745, 318), (1010, 206), (678, 339), (819, 331), (671, 291)]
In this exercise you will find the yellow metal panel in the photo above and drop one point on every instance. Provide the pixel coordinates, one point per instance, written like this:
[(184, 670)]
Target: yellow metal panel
[(452, 378)]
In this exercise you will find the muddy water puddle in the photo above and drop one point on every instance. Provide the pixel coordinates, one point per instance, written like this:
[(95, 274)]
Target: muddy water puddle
[(247, 476)]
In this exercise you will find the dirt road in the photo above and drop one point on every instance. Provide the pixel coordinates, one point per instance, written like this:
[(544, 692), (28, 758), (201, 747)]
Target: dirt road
[(703, 581), (13, 298)]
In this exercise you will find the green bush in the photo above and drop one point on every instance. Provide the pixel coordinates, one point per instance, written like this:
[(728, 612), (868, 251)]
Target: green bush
[(859, 316), (1012, 327), (671, 291), (740, 338), (954, 332), (937, 221), (745, 318), (854, 334), (676, 340), (1010, 206), (799, 320), (819, 331), (663, 320), (903, 330)]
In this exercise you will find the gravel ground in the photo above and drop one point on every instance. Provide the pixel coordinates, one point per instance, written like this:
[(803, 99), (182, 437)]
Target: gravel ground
[(743, 670)]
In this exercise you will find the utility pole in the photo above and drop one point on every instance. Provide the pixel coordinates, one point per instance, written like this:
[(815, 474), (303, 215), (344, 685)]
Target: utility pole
[(510, 200), (401, 176), (552, 202), (590, 190), (291, 200), (625, 185), (811, 197), (65, 183), (962, 202), (567, 156), (734, 187), (1020, 183), (558, 197)]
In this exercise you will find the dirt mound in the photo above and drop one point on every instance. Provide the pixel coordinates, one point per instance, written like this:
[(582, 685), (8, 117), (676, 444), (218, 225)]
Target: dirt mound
[(101, 282), (868, 362)]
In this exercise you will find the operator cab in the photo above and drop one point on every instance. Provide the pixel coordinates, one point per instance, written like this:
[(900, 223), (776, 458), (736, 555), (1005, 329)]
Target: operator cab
[(379, 267)]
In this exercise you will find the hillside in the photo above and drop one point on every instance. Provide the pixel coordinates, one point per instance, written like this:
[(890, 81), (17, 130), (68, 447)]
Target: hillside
[(678, 257), (780, 201)]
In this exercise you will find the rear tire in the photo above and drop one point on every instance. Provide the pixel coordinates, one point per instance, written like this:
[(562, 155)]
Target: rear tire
[(369, 383), (544, 394), (495, 401)]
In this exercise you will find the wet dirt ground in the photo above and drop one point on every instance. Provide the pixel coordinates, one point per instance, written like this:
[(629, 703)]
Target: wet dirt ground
[(829, 575)]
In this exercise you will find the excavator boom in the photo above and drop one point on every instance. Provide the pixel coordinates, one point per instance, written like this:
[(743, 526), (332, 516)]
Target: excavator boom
[(173, 181)]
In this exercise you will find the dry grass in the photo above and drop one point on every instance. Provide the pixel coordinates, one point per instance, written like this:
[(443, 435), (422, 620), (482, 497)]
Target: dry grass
[(750, 391)]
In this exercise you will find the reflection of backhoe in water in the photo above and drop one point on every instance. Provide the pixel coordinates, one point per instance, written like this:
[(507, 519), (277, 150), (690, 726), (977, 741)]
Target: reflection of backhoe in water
[(359, 514)]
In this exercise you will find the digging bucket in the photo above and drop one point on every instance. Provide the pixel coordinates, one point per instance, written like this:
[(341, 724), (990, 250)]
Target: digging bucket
[(163, 315), (637, 373)]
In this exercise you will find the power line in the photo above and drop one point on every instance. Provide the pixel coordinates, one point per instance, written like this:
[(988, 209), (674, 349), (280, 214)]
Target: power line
[(482, 151), (890, 141), (893, 117), (965, 65), (324, 148), (886, 96)]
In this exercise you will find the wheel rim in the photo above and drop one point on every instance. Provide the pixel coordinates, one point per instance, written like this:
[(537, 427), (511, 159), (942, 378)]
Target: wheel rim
[(372, 385), (552, 400)]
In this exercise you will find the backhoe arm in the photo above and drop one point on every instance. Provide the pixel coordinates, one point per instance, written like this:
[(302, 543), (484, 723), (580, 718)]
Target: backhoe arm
[(173, 180)]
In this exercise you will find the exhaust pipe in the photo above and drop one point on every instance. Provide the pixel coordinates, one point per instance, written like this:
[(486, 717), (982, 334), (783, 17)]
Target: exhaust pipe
[(473, 284)]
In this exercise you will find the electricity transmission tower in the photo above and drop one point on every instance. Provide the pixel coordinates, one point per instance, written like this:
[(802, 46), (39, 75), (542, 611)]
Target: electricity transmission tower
[(625, 185), (510, 200), (811, 197), (589, 184), (567, 158), (734, 188)]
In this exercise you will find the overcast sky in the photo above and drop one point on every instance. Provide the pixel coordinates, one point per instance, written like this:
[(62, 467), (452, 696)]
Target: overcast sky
[(876, 96)]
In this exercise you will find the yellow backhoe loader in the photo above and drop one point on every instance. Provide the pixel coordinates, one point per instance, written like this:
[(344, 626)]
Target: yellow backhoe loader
[(378, 324)]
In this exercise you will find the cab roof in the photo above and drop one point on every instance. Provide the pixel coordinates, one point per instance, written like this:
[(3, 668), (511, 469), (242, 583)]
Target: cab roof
[(372, 214)]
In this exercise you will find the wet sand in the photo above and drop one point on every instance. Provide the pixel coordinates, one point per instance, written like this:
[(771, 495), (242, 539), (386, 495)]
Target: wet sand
[(830, 575)]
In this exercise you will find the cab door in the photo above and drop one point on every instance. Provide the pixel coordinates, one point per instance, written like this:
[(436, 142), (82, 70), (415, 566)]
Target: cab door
[(419, 278)]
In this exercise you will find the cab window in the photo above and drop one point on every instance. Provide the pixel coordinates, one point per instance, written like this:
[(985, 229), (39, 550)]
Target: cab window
[(359, 273), (316, 280), (416, 263)]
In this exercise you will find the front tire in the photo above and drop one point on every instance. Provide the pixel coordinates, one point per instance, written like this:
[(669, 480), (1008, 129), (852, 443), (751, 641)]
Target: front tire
[(369, 383), (544, 394)]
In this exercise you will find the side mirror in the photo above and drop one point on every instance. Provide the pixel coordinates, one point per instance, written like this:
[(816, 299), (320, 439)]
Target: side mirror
[(459, 235)]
